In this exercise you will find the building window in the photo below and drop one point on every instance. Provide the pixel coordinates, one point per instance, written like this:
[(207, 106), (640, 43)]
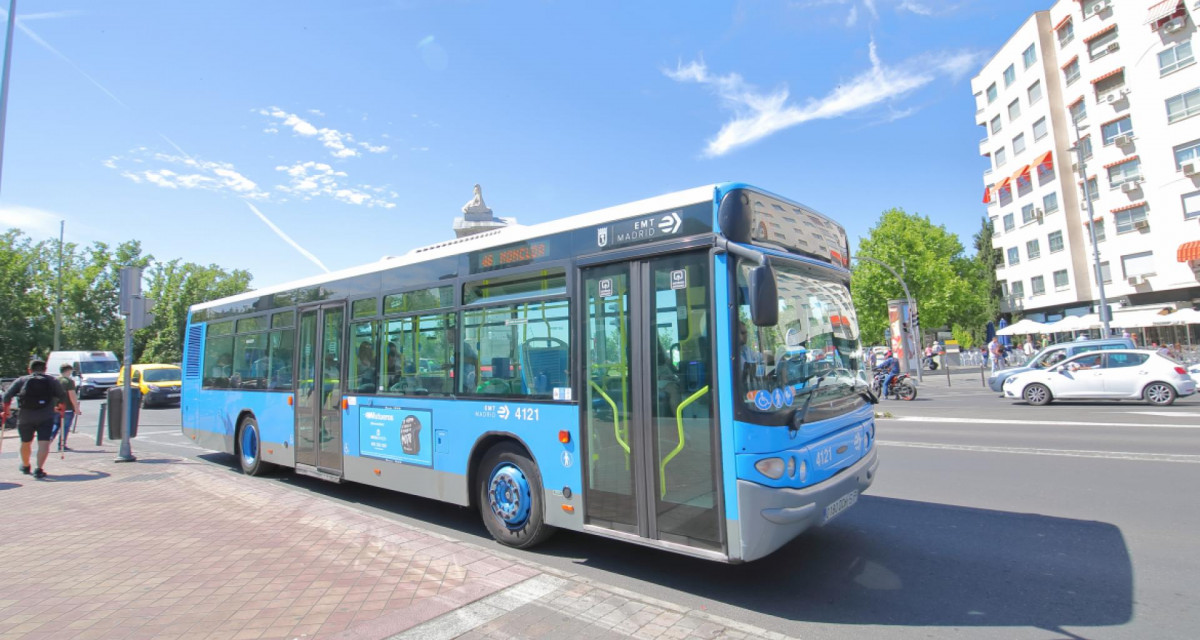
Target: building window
[(1175, 58), (1010, 76), (1105, 272), (1060, 280), (1033, 249), (1124, 126), (1027, 214), (1066, 33), (1009, 223), (996, 124), (1085, 145), (1001, 157), (1037, 285), (1098, 227), (1103, 45), (1109, 86), (1018, 289), (1186, 152), (1125, 172), (1071, 72), (1191, 205), (1131, 219), (1029, 56), (1093, 190), (1014, 256), (1004, 288), (1050, 203), (1078, 110), (1056, 242), (1138, 264), (1014, 110), (1035, 92), (1018, 143), (992, 93), (1183, 106), (1039, 129)]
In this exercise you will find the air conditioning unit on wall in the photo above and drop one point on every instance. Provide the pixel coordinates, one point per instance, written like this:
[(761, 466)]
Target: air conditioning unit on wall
[(1141, 225), (1190, 168), (1173, 25), (1123, 139), (1130, 186)]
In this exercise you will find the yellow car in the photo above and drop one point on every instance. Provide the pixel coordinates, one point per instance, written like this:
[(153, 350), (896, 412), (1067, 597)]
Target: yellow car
[(159, 383)]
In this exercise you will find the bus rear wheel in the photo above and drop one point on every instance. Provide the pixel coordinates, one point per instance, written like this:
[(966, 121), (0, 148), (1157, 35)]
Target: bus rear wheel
[(249, 449), (510, 497)]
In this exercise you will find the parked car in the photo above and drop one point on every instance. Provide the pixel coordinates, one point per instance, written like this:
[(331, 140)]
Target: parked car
[(159, 383), (1194, 371), (1120, 374), (1055, 354)]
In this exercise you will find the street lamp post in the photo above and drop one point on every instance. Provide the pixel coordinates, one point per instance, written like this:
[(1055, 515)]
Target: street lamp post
[(1087, 197), (12, 21)]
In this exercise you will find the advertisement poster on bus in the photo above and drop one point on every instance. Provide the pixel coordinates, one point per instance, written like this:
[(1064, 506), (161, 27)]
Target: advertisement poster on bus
[(401, 435)]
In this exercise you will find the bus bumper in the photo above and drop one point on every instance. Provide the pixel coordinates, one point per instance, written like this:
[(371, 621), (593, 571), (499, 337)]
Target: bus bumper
[(771, 516)]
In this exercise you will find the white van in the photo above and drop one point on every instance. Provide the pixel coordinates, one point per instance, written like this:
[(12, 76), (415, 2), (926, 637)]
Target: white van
[(95, 371)]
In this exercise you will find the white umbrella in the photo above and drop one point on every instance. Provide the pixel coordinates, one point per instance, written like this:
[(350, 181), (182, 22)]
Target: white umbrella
[(1136, 319), (1182, 316), (1068, 324), (1022, 327)]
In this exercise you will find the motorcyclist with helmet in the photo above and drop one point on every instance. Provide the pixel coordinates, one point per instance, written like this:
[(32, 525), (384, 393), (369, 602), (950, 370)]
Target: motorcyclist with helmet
[(891, 368)]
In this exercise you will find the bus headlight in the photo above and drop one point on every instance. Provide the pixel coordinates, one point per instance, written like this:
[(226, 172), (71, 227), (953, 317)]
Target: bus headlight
[(803, 471), (770, 467)]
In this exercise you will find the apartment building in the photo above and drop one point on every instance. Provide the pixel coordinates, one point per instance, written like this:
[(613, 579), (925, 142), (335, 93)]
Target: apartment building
[(1118, 80)]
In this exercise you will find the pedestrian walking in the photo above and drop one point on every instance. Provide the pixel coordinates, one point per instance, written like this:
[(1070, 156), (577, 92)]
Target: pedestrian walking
[(37, 395), (65, 419), (1028, 346), (995, 351)]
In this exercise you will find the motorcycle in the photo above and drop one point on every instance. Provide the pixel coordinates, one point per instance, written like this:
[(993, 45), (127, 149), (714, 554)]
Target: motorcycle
[(902, 387)]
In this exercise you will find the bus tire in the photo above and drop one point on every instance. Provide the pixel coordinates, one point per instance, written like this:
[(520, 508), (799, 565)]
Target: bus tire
[(249, 448), (510, 497)]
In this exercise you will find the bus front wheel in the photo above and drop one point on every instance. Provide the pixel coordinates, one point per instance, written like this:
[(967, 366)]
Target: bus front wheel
[(249, 449), (510, 497)]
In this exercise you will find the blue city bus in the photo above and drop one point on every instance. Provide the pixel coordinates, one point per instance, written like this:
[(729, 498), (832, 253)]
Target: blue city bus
[(683, 372)]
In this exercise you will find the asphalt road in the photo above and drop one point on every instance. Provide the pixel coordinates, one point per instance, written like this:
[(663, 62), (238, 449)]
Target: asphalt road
[(989, 519)]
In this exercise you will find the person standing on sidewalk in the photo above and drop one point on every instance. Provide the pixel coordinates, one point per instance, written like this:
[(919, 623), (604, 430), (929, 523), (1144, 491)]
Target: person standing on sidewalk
[(994, 352), (64, 419), (37, 395)]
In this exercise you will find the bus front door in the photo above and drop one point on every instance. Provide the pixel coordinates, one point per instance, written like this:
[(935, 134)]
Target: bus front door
[(649, 429), (319, 390)]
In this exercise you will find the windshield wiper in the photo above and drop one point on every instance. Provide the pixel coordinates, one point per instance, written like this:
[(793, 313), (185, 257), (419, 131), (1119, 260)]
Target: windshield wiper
[(798, 417)]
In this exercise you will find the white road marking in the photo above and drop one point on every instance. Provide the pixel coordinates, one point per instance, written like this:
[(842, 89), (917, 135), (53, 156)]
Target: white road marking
[(464, 619), (1066, 453), (1166, 414), (1052, 423)]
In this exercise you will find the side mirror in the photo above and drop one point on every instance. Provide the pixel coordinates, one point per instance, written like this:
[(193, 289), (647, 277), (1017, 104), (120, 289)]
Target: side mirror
[(764, 296)]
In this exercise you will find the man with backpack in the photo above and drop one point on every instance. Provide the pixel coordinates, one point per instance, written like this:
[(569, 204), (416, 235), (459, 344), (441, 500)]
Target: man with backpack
[(37, 395)]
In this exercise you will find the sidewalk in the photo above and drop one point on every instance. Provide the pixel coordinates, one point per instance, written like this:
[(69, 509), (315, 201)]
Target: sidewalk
[(175, 548)]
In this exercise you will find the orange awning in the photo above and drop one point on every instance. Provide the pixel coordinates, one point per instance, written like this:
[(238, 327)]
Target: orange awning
[(1101, 32), (1023, 172), (1003, 184), (1046, 159), (1069, 62), (1108, 75), (1066, 19), (1188, 251), (1129, 206), (1099, 218), (987, 195), (1077, 101), (1121, 161)]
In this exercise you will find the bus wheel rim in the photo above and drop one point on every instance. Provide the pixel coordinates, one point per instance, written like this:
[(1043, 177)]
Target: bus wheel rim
[(249, 445), (509, 495)]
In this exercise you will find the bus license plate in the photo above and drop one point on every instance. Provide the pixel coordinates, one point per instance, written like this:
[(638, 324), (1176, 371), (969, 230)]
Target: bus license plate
[(840, 505)]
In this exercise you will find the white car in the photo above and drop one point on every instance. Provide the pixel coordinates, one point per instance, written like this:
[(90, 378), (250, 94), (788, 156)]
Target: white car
[(1194, 370), (1119, 374)]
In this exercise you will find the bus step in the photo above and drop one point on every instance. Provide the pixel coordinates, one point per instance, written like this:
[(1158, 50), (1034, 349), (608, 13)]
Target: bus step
[(307, 470)]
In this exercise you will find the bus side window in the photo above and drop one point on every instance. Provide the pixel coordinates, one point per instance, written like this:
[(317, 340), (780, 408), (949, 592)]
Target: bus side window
[(364, 354)]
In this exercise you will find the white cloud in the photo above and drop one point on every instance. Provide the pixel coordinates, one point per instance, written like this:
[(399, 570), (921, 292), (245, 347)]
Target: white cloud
[(187, 173), (852, 19), (914, 7), (340, 144), (759, 114), (316, 112), (308, 180), (373, 148), (31, 221)]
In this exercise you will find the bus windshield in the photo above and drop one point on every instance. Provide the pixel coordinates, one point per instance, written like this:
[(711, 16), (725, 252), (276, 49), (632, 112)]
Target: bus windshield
[(813, 350), (99, 366)]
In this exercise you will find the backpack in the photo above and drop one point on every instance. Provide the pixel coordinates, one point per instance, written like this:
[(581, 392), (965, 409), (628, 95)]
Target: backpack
[(36, 393)]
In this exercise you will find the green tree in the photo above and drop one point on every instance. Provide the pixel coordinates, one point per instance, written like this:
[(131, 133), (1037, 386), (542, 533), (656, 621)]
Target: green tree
[(931, 261), (91, 317), (175, 286), (26, 318)]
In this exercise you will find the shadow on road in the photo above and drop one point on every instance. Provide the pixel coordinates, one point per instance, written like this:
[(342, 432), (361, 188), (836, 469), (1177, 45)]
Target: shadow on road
[(76, 477), (885, 562), (9, 485)]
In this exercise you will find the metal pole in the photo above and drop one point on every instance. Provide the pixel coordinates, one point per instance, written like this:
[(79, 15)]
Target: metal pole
[(100, 426), (12, 22), (126, 454), (62, 224), (907, 296), (1087, 196)]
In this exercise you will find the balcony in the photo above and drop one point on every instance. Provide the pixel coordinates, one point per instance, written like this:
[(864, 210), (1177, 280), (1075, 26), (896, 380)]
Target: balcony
[(1012, 303)]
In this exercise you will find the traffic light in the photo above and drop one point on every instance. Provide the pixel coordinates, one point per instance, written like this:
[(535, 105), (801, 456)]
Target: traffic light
[(914, 319), (140, 314)]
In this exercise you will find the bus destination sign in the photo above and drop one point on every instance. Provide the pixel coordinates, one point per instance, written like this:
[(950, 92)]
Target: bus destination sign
[(509, 256)]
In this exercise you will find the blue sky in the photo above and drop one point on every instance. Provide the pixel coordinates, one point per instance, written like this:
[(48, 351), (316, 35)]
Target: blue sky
[(359, 128)]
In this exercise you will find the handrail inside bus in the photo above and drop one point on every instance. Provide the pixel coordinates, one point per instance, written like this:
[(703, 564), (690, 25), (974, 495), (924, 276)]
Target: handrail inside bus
[(662, 467), (616, 420)]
